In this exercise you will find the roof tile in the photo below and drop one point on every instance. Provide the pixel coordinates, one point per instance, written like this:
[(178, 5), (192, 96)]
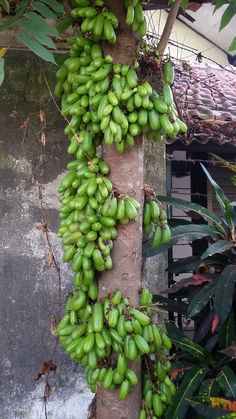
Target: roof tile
[(206, 99)]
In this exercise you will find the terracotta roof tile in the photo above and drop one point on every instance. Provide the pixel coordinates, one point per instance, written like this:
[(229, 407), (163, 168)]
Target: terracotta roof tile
[(206, 98)]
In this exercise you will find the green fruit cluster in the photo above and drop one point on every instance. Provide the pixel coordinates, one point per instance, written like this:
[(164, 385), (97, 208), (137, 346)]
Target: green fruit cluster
[(106, 100), (96, 20), (135, 17), (90, 332), (89, 213), (158, 389), (155, 221), (102, 100)]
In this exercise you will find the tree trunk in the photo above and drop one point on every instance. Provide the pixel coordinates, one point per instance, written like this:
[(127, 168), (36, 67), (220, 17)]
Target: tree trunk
[(127, 177)]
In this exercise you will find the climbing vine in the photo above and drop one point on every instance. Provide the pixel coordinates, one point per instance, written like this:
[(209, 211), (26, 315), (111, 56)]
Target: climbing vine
[(105, 101)]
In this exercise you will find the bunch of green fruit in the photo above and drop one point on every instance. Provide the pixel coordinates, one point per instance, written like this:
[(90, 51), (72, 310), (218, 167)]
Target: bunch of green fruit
[(135, 17), (155, 220), (158, 388), (106, 100), (90, 331), (96, 20), (89, 213)]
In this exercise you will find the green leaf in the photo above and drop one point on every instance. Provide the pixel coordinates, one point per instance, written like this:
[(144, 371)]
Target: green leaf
[(29, 28), (22, 6), (55, 5), (227, 382), (179, 340), (209, 388), (190, 383), (218, 4), (1, 70), (228, 14), (207, 411), (36, 47), (201, 299), (9, 22), (218, 247), (184, 265), (224, 292), (191, 206), (232, 46), (227, 335), (197, 231), (184, 4), (20, 10), (44, 10), (5, 5), (41, 24), (224, 202)]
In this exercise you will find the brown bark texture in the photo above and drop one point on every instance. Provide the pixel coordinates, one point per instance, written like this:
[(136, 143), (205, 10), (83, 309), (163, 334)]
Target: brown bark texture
[(126, 173)]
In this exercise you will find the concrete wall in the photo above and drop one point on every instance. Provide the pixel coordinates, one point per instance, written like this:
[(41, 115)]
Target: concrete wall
[(30, 288), (189, 43)]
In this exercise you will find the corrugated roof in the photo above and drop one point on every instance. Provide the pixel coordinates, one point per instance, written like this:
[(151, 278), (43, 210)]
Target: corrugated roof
[(206, 98)]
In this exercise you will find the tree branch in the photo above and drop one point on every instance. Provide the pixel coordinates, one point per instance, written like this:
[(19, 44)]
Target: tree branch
[(168, 27)]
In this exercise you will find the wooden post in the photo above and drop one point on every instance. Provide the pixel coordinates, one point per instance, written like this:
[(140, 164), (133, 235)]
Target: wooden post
[(127, 177)]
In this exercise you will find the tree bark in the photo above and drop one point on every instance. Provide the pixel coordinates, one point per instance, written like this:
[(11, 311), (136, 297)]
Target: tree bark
[(168, 26), (127, 177)]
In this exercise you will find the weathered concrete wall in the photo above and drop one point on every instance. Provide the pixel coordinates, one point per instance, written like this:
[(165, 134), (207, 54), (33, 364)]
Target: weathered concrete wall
[(30, 288)]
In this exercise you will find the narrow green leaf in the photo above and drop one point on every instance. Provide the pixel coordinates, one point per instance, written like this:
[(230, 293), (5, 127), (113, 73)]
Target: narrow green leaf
[(22, 6), (41, 24), (184, 265), (29, 28), (1, 70), (179, 340), (232, 46), (20, 10), (201, 299), (224, 202), (207, 411), (43, 10), (209, 388), (218, 4), (36, 47), (224, 292), (179, 404), (5, 5), (191, 206), (55, 5), (227, 335), (227, 382), (184, 4), (218, 247), (9, 22), (198, 230), (228, 14)]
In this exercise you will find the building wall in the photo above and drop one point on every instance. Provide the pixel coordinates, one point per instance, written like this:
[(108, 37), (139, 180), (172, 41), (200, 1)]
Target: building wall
[(31, 289), (188, 42)]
